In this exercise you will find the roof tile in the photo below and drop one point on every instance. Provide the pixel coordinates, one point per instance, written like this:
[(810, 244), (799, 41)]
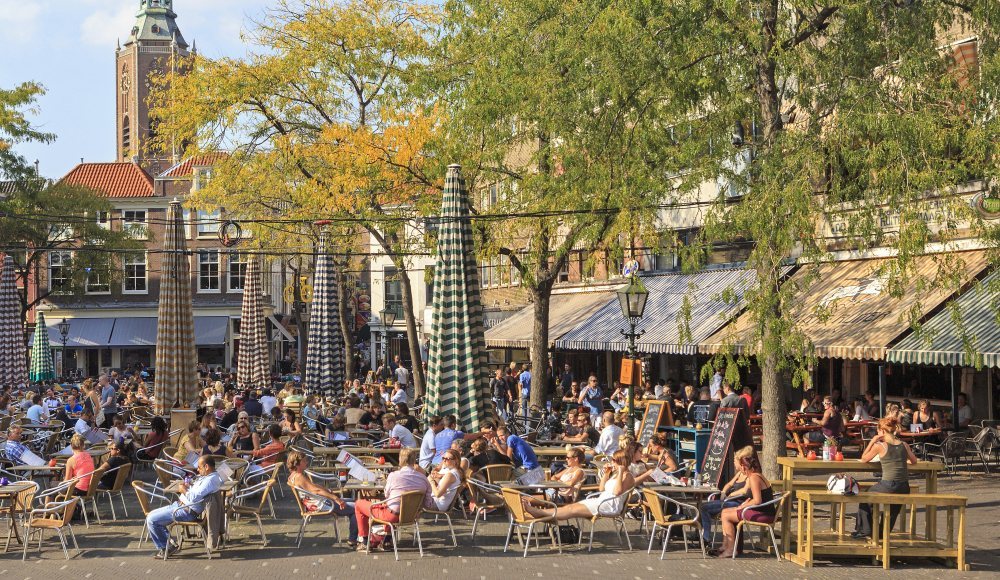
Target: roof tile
[(115, 180), (186, 167)]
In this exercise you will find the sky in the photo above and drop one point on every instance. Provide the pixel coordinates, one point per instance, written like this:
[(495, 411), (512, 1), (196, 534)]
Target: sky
[(69, 47)]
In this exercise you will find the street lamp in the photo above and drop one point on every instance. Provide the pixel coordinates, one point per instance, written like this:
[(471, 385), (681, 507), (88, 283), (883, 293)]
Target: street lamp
[(64, 333), (632, 299), (388, 316)]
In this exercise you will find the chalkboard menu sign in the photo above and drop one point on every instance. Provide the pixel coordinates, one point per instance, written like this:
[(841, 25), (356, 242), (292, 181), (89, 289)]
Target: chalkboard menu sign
[(729, 432), (658, 413)]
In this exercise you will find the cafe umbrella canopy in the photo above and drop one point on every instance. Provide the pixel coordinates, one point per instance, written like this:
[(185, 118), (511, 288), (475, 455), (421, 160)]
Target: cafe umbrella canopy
[(13, 362), (325, 357), (457, 361), (252, 360), (176, 357), (42, 368)]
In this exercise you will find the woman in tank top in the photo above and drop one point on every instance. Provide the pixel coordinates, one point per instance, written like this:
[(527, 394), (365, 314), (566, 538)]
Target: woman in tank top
[(757, 490), (894, 455)]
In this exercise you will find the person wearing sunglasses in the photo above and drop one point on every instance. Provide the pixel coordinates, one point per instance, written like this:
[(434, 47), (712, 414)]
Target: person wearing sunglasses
[(832, 423), (572, 475), (447, 479)]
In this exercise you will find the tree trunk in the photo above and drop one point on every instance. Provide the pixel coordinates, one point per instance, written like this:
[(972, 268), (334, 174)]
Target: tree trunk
[(412, 339), (542, 295), (772, 392), (345, 326)]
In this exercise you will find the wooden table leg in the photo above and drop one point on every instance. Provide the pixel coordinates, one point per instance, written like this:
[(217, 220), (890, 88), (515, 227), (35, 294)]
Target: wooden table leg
[(931, 510), (787, 473), (810, 524), (876, 529), (886, 529), (961, 539), (800, 548), (951, 528)]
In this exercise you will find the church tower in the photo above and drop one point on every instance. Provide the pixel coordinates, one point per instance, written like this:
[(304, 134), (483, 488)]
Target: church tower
[(154, 46)]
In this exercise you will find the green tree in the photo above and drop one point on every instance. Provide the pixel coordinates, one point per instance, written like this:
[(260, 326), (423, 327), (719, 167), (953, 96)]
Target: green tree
[(542, 110), (38, 216), (842, 106)]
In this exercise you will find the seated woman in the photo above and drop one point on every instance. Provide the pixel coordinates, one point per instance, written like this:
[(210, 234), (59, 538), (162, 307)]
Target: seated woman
[(615, 482), (290, 425), (117, 457), (119, 432), (832, 423), (758, 491), (483, 455), (213, 444), (733, 494), (656, 456), (156, 440), (190, 445), (572, 475), (893, 455), (297, 463), (447, 479), (245, 440), (80, 465)]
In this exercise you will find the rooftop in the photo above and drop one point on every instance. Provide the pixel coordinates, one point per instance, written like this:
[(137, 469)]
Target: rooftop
[(115, 180)]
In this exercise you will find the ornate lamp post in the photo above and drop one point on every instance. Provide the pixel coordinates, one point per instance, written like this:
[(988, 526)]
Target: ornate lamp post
[(64, 333), (388, 316), (632, 299)]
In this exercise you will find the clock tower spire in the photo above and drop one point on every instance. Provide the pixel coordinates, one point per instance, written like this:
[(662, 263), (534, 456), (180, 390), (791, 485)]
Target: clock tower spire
[(154, 46)]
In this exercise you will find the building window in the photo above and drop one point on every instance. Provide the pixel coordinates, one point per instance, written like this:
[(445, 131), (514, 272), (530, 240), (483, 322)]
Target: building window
[(98, 280), (59, 264), (126, 137), (208, 223), (135, 274), (104, 219), (237, 271), (393, 291), (208, 271), (134, 222), (429, 283)]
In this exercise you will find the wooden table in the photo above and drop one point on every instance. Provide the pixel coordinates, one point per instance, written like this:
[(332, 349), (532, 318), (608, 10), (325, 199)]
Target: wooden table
[(95, 453), (226, 487), (699, 493), (8, 497), (546, 484), (797, 432), (549, 454), (791, 465), (883, 544)]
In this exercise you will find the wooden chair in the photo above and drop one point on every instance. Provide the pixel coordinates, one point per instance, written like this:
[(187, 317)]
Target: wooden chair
[(688, 515), (19, 508), (778, 502), (92, 492), (487, 498), (617, 517), (411, 504), (521, 519), (258, 495), (122, 476), (495, 473), (54, 516), (145, 493), (301, 498)]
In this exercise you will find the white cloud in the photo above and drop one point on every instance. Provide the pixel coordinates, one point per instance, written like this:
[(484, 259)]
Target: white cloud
[(19, 20), (109, 23)]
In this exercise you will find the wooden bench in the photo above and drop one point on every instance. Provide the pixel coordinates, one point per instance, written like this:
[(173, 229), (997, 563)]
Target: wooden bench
[(837, 513), (885, 544)]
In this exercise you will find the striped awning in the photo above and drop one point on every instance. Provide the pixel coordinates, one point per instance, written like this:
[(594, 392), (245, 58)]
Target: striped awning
[(566, 312), (457, 381), (940, 341), (668, 329), (846, 312), (13, 354)]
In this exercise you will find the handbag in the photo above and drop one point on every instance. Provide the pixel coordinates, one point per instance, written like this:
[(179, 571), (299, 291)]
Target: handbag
[(842, 484), (568, 534)]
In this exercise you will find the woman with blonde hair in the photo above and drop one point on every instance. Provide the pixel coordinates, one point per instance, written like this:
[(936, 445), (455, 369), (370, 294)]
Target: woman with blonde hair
[(614, 483), (80, 465), (758, 492)]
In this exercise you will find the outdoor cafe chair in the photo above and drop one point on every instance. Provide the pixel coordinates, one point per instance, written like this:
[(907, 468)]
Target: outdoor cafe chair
[(185, 526), (91, 495), (250, 501), (521, 519), (687, 515), (495, 473), (487, 497), (54, 516), (19, 507), (307, 514), (618, 518), (121, 479), (410, 507), (455, 501), (953, 449), (145, 493), (778, 501)]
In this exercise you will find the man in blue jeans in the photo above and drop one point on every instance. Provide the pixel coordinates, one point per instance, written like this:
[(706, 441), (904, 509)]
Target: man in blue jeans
[(525, 381), (187, 508)]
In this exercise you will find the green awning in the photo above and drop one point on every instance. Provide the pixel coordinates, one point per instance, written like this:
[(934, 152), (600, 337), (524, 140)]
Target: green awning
[(940, 342)]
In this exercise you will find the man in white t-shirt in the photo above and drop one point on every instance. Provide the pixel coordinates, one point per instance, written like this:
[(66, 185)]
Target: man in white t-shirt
[(608, 443), (402, 376), (964, 411), (268, 402), (397, 431)]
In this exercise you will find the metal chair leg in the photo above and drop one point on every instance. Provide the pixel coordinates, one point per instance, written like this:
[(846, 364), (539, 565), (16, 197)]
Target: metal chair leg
[(652, 536), (527, 543)]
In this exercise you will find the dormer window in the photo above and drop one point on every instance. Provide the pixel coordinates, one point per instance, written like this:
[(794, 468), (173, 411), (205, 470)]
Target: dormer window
[(155, 29)]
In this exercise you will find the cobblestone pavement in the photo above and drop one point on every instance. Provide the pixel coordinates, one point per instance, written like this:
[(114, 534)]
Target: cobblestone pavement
[(110, 551)]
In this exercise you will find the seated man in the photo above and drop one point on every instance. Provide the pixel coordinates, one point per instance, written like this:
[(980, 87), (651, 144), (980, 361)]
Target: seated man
[(38, 413), (407, 478), (17, 451), (85, 427), (72, 407), (527, 469), (187, 508)]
